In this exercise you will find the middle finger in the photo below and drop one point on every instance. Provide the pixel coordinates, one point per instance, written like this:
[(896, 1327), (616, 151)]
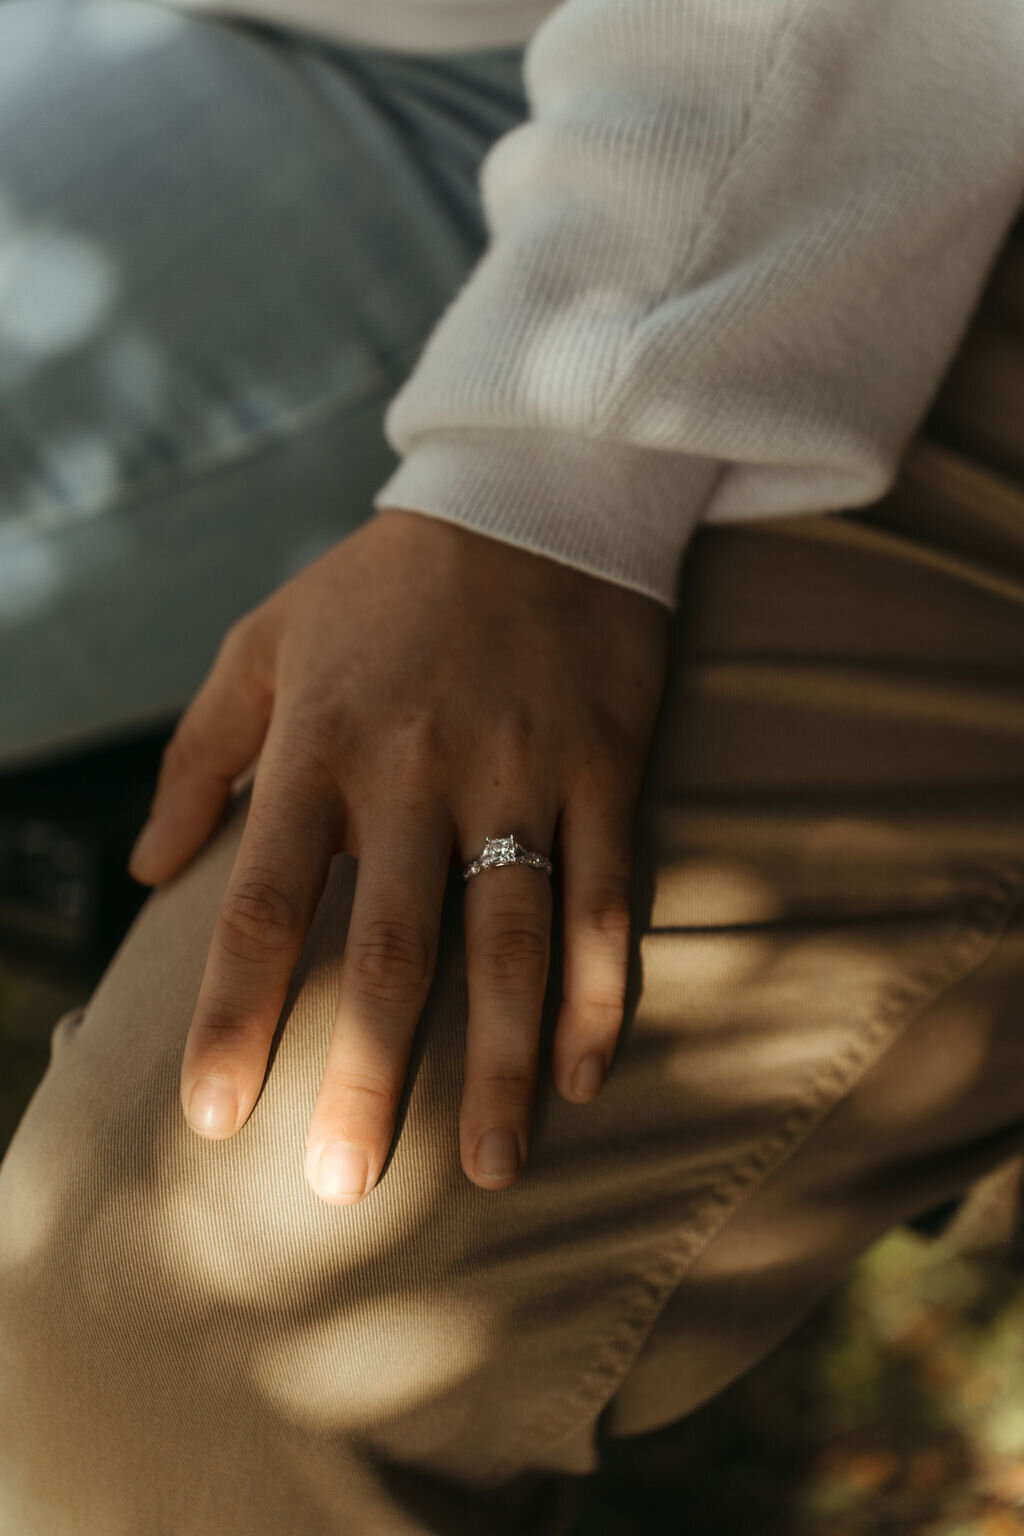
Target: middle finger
[(387, 968)]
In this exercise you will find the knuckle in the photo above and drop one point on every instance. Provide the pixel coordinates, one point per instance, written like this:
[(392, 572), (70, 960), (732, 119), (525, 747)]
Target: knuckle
[(605, 789), (514, 955), (310, 771), (603, 1013), (419, 743), (350, 1088), (505, 1086), (513, 738), (515, 745), (258, 915), (390, 958), (222, 1024), (609, 912), (618, 755), (597, 768)]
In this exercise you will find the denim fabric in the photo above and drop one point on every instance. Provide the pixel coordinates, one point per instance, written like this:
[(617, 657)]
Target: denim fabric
[(221, 248)]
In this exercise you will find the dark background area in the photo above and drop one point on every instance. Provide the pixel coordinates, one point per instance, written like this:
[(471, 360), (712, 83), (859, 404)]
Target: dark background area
[(67, 827), (66, 831)]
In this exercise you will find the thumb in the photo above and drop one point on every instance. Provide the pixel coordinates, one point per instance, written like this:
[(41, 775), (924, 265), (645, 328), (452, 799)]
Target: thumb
[(217, 737)]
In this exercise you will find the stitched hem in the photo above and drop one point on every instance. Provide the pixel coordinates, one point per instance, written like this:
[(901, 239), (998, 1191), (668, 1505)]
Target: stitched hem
[(984, 916)]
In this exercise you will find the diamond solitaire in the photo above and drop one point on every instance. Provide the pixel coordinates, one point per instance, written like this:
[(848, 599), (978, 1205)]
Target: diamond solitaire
[(505, 850), (498, 850)]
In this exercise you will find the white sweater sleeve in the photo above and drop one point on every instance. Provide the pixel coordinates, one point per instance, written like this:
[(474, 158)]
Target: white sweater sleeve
[(732, 251)]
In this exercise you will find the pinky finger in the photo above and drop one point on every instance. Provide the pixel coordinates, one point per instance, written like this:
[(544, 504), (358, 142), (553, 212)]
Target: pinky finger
[(216, 738), (596, 845)]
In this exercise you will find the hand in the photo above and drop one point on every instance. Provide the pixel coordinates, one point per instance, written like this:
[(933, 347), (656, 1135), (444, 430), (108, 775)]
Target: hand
[(416, 689)]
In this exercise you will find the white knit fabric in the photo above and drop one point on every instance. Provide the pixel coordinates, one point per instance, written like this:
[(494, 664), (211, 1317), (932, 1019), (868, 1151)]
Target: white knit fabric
[(732, 252)]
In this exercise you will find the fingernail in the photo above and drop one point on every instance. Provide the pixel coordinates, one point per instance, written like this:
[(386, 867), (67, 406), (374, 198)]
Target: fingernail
[(342, 1172), (143, 846), (213, 1107), (589, 1075), (497, 1154)]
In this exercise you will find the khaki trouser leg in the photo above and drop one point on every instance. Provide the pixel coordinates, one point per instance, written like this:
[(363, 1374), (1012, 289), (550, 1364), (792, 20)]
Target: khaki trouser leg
[(823, 1036)]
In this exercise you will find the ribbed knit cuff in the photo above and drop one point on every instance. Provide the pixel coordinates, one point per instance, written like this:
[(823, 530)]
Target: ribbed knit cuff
[(619, 512)]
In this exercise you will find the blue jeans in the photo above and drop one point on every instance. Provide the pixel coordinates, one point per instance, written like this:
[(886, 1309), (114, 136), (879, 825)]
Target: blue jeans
[(222, 247)]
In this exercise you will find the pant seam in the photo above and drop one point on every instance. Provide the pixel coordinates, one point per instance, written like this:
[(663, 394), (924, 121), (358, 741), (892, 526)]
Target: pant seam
[(288, 425), (983, 917)]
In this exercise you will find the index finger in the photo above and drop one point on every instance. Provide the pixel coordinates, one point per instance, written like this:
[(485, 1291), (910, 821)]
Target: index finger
[(292, 832)]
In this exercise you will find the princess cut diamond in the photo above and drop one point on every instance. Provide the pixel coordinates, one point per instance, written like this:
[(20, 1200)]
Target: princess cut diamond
[(499, 850)]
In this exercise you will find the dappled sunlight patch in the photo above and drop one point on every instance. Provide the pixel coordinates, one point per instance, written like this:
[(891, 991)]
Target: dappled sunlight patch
[(695, 969), (201, 1250), (237, 1242), (704, 891), (55, 289), (747, 982), (33, 1192), (366, 1361)]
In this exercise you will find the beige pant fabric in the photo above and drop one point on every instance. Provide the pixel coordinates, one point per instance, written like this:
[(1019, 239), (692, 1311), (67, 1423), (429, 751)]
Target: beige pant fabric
[(824, 1035)]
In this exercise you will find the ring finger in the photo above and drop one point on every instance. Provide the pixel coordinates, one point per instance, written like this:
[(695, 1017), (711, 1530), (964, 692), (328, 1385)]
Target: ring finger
[(507, 919)]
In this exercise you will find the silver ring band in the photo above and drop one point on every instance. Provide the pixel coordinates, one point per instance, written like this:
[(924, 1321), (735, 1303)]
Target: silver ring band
[(504, 850)]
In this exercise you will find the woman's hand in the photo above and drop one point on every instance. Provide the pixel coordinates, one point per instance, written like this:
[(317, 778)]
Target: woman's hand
[(419, 686)]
